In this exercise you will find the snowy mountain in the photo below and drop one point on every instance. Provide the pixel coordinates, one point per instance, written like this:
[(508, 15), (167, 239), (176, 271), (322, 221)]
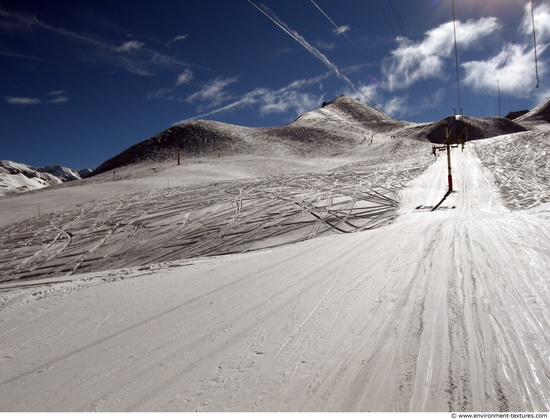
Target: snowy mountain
[(19, 177), (337, 126)]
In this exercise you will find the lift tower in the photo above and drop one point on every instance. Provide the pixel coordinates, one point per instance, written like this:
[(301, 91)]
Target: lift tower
[(452, 141)]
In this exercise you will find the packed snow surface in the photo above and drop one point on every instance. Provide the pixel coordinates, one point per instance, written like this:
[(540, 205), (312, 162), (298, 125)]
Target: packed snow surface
[(443, 310)]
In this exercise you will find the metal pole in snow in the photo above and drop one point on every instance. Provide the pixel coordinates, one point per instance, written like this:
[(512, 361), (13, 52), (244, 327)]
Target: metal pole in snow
[(178, 149), (449, 166), (448, 143)]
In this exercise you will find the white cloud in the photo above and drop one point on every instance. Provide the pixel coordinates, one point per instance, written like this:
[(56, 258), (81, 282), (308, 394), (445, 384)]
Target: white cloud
[(341, 29), (213, 92), (185, 77), (160, 94), (59, 100), (130, 46), (16, 100), (394, 105), (510, 70), (290, 98), (398, 105), (411, 62), (178, 38), (542, 22), (514, 66), (326, 45), (369, 90), (24, 101), (284, 101)]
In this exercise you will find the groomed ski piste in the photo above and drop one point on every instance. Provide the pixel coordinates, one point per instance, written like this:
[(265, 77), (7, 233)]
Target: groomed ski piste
[(400, 308)]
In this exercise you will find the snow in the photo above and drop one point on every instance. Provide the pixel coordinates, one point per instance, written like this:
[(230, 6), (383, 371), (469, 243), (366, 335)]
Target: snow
[(169, 219), (444, 310), (19, 177)]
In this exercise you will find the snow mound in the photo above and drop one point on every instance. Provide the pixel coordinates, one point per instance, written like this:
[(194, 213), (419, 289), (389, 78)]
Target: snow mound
[(476, 128), (335, 128), (351, 114), (541, 113), (19, 177)]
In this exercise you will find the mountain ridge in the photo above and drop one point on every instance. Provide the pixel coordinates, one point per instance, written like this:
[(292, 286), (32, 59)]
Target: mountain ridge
[(19, 177), (335, 127)]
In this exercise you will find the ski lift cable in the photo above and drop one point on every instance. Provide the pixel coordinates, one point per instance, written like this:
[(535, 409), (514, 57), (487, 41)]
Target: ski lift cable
[(319, 57), (456, 60), (353, 44), (535, 42), (422, 78)]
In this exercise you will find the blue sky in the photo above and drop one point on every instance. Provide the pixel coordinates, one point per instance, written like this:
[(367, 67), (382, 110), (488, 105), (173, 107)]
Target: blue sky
[(82, 81)]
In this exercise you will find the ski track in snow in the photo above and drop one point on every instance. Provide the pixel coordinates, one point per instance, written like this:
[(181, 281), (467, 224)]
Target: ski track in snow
[(442, 310), (206, 220)]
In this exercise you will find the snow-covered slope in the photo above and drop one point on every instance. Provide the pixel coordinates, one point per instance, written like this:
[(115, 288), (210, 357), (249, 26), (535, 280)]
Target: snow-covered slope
[(344, 283), (539, 114), (19, 177), (474, 128), (339, 126), (214, 218), (443, 310)]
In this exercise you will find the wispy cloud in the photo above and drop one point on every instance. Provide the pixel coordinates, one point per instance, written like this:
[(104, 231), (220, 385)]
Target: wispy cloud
[(213, 93), (292, 98), (329, 46), (58, 98), (341, 29), (130, 46), (133, 56), (18, 55), (24, 101), (178, 38), (285, 101), (164, 93), (185, 77)]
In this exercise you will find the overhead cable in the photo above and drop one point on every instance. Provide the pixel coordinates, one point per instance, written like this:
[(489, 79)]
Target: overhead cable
[(535, 41), (320, 57), (496, 85), (422, 78), (456, 60), (352, 43)]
